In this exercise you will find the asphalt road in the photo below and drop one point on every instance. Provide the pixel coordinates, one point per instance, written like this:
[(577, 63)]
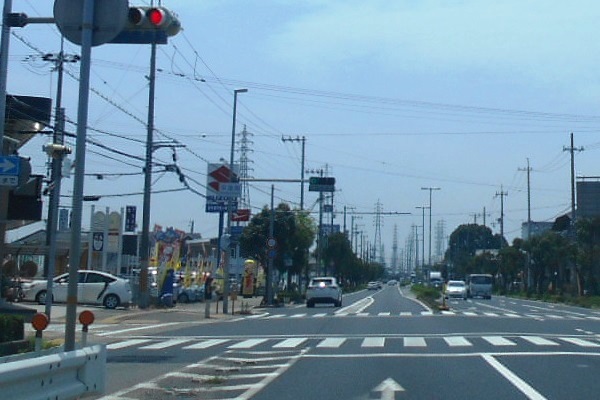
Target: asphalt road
[(379, 345)]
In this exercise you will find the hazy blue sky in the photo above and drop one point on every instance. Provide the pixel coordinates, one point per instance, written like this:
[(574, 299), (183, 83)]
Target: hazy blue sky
[(391, 96)]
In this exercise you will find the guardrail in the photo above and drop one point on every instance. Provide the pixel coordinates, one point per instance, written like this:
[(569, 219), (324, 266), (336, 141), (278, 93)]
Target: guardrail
[(59, 376)]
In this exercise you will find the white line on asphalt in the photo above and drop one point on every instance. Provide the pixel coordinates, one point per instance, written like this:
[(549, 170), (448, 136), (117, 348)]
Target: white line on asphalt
[(405, 314), (457, 341), (490, 314), (498, 341), (332, 343), (290, 343), (320, 315), (247, 344), (275, 316), (206, 344), (539, 341), (426, 312), (470, 314), (298, 316), (579, 342), (414, 342), (165, 344), (519, 383), (373, 342), (384, 314), (127, 343)]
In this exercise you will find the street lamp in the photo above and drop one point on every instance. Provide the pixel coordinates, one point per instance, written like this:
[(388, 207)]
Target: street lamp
[(229, 203), (431, 189)]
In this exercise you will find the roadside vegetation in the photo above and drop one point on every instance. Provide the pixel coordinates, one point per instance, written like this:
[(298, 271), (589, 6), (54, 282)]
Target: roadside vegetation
[(559, 265), (427, 294)]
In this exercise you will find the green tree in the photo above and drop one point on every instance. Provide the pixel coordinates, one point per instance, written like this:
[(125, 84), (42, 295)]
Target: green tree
[(551, 255), (464, 242), (293, 230), (588, 256)]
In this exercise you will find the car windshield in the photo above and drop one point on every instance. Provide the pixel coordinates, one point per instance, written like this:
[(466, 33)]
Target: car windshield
[(279, 155)]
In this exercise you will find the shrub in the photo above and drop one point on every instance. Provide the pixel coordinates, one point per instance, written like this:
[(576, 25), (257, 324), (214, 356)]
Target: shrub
[(11, 328)]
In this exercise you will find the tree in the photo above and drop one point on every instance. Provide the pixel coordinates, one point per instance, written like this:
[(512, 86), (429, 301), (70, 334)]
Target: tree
[(551, 254), (588, 255), (463, 244), (293, 230)]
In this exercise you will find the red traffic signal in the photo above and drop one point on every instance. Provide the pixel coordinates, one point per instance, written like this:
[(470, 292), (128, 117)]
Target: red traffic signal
[(153, 18), (147, 25)]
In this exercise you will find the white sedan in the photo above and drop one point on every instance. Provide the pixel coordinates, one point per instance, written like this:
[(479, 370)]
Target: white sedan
[(456, 289), (93, 287)]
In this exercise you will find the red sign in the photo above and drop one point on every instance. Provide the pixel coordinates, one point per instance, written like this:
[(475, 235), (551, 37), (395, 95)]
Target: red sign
[(241, 215)]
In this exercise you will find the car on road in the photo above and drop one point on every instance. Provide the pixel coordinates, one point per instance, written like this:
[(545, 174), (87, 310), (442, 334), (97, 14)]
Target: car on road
[(323, 290), (480, 285), (93, 287), (392, 282), (373, 286), (456, 289)]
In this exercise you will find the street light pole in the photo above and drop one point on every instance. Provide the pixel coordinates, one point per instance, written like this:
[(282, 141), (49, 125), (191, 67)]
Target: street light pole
[(230, 205), (431, 189)]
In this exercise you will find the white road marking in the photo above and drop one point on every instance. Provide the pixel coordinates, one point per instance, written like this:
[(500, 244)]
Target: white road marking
[(290, 343), (519, 383), (165, 344), (580, 342), (298, 316), (470, 314), (457, 341), (127, 343), (321, 315), (373, 342), (140, 328), (414, 342), (539, 341), (498, 341), (247, 344), (405, 314), (384, 314), (206, 344), (426, 312), (332, 343)]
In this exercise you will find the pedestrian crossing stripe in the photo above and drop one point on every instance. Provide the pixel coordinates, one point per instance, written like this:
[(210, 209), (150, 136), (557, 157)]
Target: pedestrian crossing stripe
[(422, 313), (366, 342)]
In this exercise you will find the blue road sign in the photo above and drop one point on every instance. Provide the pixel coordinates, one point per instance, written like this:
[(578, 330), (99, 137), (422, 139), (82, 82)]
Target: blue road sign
[(10, 165), (10, 168)]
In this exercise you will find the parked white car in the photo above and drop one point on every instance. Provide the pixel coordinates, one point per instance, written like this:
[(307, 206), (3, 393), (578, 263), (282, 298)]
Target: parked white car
[(94, 287), (323, 290)]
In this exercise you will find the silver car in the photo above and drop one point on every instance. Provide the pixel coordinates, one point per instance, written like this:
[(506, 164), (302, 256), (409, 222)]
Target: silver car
[(93, 287)]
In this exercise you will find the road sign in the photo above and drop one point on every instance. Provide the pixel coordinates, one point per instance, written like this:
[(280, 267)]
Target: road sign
[(321, 184), (221, 188), (241, 215), (10, 168), (110, 17)]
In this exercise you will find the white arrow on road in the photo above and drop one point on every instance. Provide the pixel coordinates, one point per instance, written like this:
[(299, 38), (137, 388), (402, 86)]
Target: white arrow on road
[(6, 165), (388, 389)]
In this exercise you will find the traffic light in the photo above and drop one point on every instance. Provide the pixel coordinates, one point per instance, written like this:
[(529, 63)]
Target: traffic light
[(147, 25)]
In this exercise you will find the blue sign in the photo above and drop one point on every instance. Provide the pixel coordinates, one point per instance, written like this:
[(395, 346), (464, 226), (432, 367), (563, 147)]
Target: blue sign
[(10, 165)]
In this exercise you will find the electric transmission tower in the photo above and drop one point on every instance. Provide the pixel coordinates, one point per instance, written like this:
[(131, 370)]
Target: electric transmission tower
[(377, 246), (394, 261)]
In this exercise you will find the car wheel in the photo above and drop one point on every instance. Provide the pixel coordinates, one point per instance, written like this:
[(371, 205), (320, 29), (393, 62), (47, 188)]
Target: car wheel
[(183, 298), (338, 303), (41, 297), (310, 304), (111, 301)]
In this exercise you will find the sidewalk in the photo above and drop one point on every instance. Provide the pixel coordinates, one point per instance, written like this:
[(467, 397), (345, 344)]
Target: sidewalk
[(182, 312)]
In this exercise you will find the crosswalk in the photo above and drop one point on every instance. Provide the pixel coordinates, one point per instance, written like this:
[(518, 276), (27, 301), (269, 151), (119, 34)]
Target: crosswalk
[(537, 316), (369, 342)]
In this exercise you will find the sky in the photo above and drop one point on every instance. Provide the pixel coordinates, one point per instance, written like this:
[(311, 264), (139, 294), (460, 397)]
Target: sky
[(390, 96)]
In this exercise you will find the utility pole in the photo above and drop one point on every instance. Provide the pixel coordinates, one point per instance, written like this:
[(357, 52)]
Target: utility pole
[(528, 169), (501, 194), (431, 189), (572, 150), (56, 174), (303, 141)]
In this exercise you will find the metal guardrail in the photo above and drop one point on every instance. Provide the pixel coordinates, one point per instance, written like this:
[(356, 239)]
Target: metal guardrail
[(58, 376)]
